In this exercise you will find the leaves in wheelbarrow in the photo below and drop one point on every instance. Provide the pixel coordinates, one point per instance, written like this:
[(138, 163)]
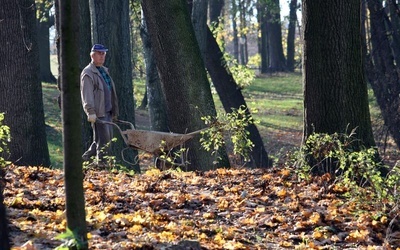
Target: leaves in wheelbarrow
[(220, 209)]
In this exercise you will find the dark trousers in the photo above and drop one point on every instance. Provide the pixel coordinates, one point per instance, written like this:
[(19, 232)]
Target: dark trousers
[(102, 136)]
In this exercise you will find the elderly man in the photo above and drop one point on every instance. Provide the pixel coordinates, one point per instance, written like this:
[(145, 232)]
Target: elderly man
[(100, 103)]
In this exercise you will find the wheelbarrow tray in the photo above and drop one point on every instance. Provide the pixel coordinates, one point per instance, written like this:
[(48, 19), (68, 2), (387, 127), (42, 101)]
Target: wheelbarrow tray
[(153, 141)]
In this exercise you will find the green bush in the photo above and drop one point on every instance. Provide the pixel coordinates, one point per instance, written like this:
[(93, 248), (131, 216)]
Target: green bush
[(233, 125), (358, 170)]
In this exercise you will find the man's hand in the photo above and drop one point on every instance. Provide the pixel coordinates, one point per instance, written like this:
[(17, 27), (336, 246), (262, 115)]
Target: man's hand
[(92, 118), (115, 118)]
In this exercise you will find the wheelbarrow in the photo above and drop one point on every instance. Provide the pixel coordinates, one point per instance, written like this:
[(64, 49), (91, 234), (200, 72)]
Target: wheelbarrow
[(151, 141)]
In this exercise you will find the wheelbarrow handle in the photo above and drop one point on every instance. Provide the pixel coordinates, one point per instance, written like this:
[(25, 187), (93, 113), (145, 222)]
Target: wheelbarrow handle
[(119, 129), (126, 122)]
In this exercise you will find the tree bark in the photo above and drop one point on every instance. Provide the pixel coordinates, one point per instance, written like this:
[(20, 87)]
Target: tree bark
[(20, 88), (231, 97), (291, 36), (155, 97), (71, 120), (277, 58), (335, 91), (263, 44), (215, 11), (186, 87), (85, 44)]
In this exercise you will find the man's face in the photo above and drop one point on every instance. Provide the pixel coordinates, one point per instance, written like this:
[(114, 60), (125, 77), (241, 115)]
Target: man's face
[(98, 58)]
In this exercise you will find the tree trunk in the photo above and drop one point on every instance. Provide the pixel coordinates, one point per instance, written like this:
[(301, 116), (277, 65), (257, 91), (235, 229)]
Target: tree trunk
[(71, 120), (382, 71), (20, 88), (291, 36), (277, 58), (335, 91), (231, 97), (215, 11), (264, 37), (199, 21), (44, 48), (235, 31), (117, 39), (85, 44), (186, 87), (155, 97)]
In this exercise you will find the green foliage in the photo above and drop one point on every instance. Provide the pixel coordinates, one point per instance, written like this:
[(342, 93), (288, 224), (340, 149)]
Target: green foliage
[(242, 74), (5, 138), (235, 125), (173, 157), (70, 239), (350, 166)]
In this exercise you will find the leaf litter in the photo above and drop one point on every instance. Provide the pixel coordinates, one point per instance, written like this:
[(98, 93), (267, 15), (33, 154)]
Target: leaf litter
[(234, 208)]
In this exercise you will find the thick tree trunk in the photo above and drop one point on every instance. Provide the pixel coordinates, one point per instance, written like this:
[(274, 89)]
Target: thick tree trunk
[(155, 97), (71, 120), (231, 96), (117, 39), (335, 91), (20, 88), (186, 87)]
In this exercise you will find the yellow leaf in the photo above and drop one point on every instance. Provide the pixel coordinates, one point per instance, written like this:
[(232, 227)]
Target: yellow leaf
[(317, 235), (315, 218), (285, 244), (208, 215), (357, 235), (219, 239)]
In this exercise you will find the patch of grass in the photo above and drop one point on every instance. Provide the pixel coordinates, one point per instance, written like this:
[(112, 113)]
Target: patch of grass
[(52, 114)]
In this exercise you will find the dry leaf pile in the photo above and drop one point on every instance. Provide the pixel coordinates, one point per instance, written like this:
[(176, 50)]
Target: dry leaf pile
[(220, 209)]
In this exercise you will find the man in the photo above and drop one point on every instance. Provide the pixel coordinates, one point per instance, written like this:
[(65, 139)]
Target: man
[(100, 103)]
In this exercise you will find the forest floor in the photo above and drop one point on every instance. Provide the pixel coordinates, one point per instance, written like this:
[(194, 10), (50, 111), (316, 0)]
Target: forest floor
[(234, 208)]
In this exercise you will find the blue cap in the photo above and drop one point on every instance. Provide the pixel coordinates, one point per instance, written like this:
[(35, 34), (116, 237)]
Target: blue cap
[(99, 47)]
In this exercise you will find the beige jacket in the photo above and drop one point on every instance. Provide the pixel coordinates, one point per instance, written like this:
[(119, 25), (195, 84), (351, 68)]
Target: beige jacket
[(92, 92)]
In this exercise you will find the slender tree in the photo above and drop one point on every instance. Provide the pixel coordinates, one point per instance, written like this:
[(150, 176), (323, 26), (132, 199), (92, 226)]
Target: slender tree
[(71, 120), (263, 39), (85, 44), (44, 21), (335, 91), (20, 87), (231, 96), (291, 35), (185, 87), (382, 70), (277, 61)]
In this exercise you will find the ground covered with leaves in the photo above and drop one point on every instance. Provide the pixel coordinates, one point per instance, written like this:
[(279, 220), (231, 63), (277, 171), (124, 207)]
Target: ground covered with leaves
[(220, 209)]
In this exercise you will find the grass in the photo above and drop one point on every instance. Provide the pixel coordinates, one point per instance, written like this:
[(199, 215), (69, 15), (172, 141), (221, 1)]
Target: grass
[(52, 114)]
